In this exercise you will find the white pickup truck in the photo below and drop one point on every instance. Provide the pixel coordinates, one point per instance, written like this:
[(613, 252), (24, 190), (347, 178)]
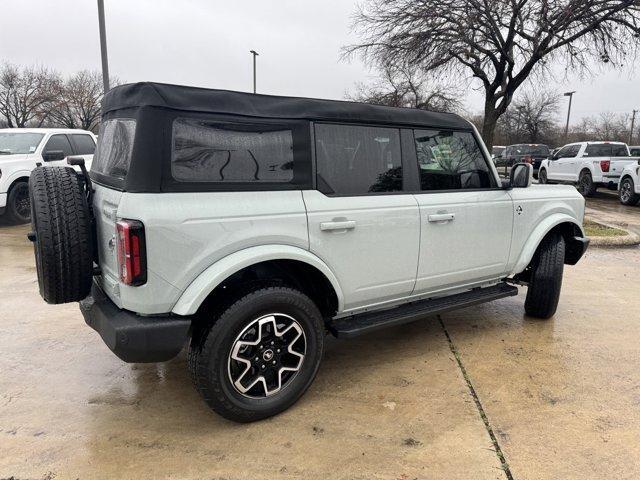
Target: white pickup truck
[(587, 165), (22, 150), (629, 186)]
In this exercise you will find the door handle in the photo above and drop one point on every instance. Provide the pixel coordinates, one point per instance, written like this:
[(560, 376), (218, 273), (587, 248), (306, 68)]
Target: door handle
[(441, 217), (340, 225)]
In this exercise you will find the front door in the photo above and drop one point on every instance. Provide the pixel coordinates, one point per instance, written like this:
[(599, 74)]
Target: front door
[(465, 217), (360, 222)]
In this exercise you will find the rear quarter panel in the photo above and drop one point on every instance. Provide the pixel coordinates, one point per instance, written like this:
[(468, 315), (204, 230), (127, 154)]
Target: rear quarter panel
[(188, 232)]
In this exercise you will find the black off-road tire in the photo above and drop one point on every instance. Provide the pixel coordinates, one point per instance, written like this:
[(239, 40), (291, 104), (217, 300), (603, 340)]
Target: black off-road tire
[(17, 210), (63, 241), (626, 192), (542, 176), (209, 357), (585, 186), (545, 282)]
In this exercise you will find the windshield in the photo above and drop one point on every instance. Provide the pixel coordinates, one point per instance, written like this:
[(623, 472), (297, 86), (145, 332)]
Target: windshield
[(12, 143), (542, 150)]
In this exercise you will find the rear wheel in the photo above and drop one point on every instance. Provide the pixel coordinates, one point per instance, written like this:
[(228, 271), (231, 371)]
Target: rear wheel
[(585, 186), (260, 355), (61, 234), (627, 193), (18, 207), (542, 176), (545, 282)]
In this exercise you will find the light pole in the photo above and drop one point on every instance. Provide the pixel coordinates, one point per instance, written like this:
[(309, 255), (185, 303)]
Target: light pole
[(255, 54), (103, 46), (566, 128), (633, 124)]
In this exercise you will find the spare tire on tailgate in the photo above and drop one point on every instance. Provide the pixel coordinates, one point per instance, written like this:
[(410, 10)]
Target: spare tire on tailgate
[(62, 234)]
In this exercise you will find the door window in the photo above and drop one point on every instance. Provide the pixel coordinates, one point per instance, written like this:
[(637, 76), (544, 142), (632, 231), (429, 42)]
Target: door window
[(84, 144), (356, 160), (569, 151), (450, 160), (59, 142)]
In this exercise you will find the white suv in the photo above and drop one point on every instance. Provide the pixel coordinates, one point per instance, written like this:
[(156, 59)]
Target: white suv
[(22, 150), (250, 225)]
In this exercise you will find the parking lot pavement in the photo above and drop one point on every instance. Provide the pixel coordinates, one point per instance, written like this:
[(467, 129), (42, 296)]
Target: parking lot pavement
[(392, 405), (561, 397), (605, 207)]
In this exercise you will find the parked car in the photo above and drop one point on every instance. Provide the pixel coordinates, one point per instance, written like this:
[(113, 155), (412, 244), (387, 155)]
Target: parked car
[(532, 153), (629, 186), (587, 165), (286, 218), (496, 151), (22, 150), (634, 151)]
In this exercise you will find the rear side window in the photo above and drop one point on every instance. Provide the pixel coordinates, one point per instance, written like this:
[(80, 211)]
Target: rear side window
[(59, 142), (356, 160), (209, 151), (115, 144), (619, 151), (451, 161), (83, 144)]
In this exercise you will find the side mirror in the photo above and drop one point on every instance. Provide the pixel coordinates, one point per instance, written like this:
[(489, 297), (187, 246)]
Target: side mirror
[(52, 155), (521, 175)]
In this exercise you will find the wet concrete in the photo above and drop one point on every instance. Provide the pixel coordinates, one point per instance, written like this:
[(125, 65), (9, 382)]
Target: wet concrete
[(561, 396), (604, 206)]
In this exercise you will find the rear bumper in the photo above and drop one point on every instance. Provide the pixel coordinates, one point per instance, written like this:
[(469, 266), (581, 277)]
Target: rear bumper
[(133, 338), (575, 249)]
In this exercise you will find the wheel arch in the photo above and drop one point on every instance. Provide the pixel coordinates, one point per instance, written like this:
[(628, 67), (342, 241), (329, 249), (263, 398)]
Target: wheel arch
[(567, 226), (288, 264), (20, 178)]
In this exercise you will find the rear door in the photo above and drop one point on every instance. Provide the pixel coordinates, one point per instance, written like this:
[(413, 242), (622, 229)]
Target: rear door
[(465, 217), (84, 146), (361, 223)]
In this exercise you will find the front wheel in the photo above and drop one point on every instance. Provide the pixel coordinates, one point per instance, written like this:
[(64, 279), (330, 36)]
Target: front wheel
[(260, 355), (545, 282), (18, 205), (627, 193)]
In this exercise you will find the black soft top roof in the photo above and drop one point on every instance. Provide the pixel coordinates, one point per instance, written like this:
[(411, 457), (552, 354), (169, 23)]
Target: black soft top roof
[(177, 97)]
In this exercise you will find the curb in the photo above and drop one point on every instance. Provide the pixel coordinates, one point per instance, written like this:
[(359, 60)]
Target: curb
[(629, 240)]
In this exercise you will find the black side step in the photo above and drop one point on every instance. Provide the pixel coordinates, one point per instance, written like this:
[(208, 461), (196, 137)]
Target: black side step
[(369, 321)]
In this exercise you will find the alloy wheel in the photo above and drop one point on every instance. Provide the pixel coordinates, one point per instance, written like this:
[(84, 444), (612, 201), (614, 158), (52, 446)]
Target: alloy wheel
[(267, 355)]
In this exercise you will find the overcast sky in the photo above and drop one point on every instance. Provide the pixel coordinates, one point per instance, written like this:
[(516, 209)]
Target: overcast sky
[(207, 42)]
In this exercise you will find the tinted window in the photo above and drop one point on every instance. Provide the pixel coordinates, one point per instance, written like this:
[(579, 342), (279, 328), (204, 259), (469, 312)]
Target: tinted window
[(537, 150), (598, 150), (354, 160), (635, 152), (59, 142), (115, 144), (568, 151), (213, 152), (84, 144), (451, 161), (619, 151)]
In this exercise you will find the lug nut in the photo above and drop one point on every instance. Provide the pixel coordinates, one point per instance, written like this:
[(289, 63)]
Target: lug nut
[(278, 350), (272, 343), (274, 362), (263, 367)]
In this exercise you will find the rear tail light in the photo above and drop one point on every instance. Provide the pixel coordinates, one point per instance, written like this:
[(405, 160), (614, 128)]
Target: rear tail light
[(604, 165), (132, 254)]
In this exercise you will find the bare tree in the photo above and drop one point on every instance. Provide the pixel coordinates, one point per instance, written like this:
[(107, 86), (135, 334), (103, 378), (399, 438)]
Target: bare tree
[(406, 87), (531, 117), (77, 101), (500, 43), (25, 93)]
